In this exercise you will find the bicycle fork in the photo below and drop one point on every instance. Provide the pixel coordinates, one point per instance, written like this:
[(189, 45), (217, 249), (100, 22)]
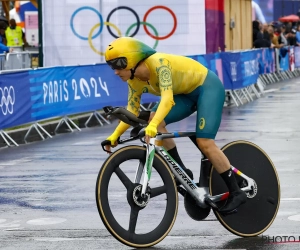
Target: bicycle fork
[(148, 169)]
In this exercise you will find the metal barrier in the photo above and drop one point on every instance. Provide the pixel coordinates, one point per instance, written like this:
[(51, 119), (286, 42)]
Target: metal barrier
[(17, 60)]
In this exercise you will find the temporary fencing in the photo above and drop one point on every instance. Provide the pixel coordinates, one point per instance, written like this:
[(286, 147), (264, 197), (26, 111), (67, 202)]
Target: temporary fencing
[(29, 96)]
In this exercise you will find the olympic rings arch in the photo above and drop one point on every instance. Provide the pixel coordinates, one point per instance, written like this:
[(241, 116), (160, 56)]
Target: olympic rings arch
[(110, 25)]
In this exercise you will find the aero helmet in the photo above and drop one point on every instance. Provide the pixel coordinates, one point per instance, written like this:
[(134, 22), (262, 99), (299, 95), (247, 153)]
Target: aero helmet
[(127, 53)]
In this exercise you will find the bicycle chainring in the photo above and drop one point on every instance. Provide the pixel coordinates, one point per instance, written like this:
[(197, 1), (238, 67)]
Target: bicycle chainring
[(193, 209)]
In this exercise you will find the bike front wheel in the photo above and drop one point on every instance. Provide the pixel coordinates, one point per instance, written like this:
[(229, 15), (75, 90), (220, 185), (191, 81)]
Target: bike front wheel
[(135, 220), (258, 213)]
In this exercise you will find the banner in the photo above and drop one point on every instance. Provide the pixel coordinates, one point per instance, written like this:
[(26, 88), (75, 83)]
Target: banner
[(291, 58), (15, 103), (240, 69), (46, 93), (71, 90), (82, 30), (266, 60), (283, 58), (214, 63), (297, 56)]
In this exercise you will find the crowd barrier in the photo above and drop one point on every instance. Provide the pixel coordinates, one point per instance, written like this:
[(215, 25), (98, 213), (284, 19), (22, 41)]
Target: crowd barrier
[(30, 96), (18, 60)]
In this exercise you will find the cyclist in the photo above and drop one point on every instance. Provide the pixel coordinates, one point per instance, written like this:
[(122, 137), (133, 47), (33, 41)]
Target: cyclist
[(182, 83)]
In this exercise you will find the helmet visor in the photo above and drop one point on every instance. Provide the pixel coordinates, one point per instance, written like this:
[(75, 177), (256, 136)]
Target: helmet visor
[(118, 63)]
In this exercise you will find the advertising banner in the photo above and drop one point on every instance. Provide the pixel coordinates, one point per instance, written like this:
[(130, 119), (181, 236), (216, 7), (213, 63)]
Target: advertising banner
[(241, 69), (292, 58), (283, 58), (76, 89), (266, 60), (45, 93), (15, 103), (214, 63), (78, 32), (297, 57)]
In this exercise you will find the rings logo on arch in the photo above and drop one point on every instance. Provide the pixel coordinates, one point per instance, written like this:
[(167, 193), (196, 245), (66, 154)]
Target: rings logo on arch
[(7, 100), (116, 32)]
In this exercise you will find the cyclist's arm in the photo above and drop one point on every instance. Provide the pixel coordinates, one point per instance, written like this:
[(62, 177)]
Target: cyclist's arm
[(166, 90), (134, 100)]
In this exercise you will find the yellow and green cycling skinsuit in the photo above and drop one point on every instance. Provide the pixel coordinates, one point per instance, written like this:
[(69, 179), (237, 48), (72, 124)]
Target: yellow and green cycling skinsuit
[(184, 86)]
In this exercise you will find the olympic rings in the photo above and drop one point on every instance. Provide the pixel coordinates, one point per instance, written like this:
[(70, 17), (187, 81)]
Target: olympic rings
[(134, 13), (109, 25), (174, 18), (148, 24), (7, 100), (86, 8), (90, 38)]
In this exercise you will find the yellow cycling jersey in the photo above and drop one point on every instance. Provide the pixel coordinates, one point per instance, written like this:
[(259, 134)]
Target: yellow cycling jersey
[(169, 75)]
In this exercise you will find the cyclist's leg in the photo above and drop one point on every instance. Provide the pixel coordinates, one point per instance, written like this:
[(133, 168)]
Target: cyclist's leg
[(209, 113), (183, 108)]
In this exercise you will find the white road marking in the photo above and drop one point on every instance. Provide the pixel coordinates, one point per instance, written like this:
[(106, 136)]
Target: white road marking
[(85, 143), (45, 221), (286, 213), (13, 224), (13, 229), (294, 217), (16, 162), (62, 239), (270, 90), (290, 199)]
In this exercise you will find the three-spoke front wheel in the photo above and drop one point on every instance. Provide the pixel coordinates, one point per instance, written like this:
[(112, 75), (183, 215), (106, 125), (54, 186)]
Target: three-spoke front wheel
[(134, 219)]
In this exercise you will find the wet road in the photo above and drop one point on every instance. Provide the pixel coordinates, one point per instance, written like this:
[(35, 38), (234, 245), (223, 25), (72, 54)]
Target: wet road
[(47, 189)]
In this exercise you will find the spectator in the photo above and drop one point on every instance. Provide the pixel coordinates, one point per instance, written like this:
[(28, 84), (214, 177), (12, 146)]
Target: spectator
[(255, 27), (4, 48), (280, 32), (15, 35), (264, 34), (274, 38), (298, 35), (261, 42), (2, 32)]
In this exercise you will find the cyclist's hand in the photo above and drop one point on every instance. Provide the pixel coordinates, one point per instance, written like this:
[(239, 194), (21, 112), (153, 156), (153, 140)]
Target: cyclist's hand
[(151, 131), (113, 138), (108, 147)]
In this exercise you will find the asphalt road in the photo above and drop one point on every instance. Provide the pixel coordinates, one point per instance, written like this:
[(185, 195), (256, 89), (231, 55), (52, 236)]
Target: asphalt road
[(47, 188)]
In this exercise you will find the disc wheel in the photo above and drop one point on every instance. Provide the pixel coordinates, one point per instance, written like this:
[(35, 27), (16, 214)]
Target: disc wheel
[(116, 194), (258, 213)]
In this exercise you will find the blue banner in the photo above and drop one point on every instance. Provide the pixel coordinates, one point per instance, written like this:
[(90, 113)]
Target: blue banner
[(214, 63), (71, 90), (240, 69), (284, 59), (44, 93), (297, 57), (266, 60), (15, 104)]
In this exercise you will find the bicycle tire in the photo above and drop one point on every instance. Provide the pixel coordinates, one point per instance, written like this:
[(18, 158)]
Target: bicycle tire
[(258, 213), (102, 199)]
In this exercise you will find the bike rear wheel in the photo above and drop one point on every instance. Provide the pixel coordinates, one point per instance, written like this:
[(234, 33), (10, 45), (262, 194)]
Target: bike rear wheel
[(162, 193), (258, 213)]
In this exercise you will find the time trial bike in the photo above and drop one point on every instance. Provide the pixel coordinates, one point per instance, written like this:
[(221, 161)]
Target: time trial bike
[(142, 182)]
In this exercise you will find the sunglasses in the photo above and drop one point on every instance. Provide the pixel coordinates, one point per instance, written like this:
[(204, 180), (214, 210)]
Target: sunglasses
[(118, 63)]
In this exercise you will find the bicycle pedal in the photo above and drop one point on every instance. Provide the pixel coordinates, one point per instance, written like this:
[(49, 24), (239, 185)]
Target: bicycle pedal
[(211, 203), (234, 211)]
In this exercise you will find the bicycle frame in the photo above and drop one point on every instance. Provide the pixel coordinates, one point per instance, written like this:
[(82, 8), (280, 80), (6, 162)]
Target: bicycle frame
[(198, 193)]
